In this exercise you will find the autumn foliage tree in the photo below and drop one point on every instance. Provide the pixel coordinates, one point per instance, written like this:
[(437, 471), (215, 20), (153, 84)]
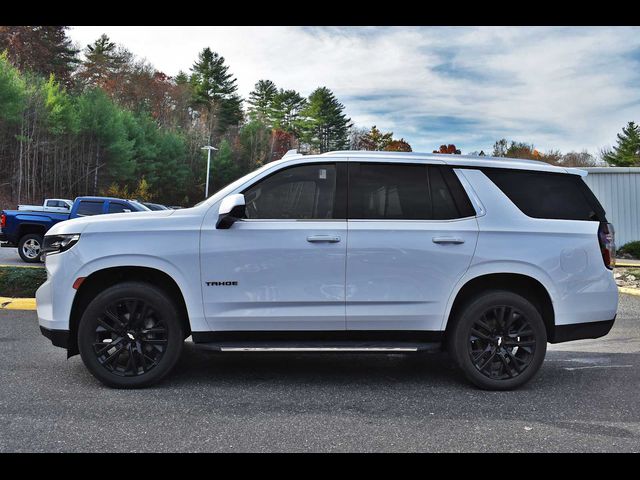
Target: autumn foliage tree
[(451, 149), (398, 146), (43, 50)]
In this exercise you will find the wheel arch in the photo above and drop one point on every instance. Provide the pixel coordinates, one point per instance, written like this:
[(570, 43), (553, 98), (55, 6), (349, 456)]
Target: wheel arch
[(31, 228), (104, 278), (523, 284)]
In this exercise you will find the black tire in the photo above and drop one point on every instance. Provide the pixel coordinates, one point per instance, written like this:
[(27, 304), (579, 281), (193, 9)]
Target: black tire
[(514, 351), (30, 245), (145, 328)]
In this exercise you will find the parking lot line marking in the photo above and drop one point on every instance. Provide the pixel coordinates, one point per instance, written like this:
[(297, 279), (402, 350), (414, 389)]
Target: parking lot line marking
[(597, 366)]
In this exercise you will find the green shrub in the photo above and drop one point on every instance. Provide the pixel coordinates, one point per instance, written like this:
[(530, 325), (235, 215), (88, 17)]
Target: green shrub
[(631, 248), (21, 282)]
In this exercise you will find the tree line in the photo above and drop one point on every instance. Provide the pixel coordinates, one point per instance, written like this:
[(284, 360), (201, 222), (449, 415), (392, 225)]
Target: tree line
[(107, 122), (110, 122)]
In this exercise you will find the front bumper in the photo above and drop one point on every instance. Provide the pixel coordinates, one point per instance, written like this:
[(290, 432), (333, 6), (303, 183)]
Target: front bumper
[(59, 338)]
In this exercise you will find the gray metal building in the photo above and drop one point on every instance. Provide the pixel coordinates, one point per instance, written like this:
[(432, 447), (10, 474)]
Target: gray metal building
[(618, 189)]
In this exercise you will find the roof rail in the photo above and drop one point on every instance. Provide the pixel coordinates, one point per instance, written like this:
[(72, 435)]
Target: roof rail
[(292, 153)]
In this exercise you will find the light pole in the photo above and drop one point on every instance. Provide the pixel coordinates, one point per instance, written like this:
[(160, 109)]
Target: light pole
[(209, 148)]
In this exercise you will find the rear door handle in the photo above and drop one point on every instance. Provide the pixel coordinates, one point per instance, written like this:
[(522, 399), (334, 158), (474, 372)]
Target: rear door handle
[(323, 238), (455, 240)]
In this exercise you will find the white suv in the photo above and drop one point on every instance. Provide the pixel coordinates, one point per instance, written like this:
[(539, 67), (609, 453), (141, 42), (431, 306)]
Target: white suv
[(345, 251)]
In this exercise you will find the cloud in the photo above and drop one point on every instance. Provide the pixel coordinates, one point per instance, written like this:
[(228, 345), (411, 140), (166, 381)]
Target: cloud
[(561, 88)]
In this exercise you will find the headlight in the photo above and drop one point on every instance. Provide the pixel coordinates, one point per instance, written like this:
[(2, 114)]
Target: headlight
[(59, 243)]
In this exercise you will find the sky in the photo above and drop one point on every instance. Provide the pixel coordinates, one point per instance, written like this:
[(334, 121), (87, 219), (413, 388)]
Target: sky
[(561, 88)]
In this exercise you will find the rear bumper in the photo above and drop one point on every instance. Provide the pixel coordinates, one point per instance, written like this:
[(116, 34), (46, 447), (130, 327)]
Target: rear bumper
[(59, 338), (581, 331)]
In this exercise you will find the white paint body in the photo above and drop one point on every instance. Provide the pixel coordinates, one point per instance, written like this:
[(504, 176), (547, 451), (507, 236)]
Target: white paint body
[(48, 206), (380, 275)]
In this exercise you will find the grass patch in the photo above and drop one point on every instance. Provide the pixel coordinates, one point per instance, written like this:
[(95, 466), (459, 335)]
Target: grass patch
[(21, 282), (632, 249), (632, 271)]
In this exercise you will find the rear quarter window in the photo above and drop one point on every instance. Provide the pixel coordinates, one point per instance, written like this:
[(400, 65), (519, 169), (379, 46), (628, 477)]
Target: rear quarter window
[(89, 208), (548, 195)]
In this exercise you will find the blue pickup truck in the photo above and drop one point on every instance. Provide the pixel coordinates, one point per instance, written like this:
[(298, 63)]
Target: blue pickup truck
[(25, 229)]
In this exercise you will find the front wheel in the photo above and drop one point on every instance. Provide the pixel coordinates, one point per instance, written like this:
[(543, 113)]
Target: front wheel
[(130, 335), (30, 248), (499, 340)]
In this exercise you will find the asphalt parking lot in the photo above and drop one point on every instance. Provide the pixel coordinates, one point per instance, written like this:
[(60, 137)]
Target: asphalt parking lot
[(9, 256), (584, 399)]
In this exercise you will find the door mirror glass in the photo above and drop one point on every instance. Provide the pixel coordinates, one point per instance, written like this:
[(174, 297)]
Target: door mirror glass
[(232, 208)]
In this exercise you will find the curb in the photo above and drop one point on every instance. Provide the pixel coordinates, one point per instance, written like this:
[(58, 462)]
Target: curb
[(629, 290), (618, 264), (8, 303), (21, 266)]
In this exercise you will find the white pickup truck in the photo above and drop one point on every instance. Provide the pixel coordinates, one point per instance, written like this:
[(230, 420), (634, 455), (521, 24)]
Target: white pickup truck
[(60, 205)]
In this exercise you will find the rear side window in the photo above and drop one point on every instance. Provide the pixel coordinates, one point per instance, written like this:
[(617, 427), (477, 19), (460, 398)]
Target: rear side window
[(405, 192), (548, 195), (89, 208), (118, 207)]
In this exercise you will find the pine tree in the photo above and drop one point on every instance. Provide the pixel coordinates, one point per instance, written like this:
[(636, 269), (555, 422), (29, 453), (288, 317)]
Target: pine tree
[(324, 126), (102, 61), (285, 111), (261, 101), (375, 140), (215, 90), (627, 152)]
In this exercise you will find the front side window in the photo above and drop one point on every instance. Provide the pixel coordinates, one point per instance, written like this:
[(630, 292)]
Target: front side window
[(405, 192), (305, 192), (87, 208)]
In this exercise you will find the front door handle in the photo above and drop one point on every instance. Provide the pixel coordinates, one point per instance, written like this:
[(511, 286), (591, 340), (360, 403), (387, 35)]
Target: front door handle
[(454, 240), (323, 238)]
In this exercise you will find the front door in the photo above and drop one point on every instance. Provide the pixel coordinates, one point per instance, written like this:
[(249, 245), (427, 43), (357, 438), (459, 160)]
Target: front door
[(412, 234), (283, 267)]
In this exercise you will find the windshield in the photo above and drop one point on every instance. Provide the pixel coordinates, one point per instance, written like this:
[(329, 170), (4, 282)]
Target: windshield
[(139, 206)]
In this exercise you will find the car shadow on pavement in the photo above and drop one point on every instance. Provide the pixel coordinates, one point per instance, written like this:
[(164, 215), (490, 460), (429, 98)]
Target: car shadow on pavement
[(568, 368)]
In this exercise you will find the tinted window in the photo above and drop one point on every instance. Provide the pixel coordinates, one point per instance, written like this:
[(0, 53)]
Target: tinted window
[(89, 208), (401, 192), (548, 195), (304, 192), (118, 207)]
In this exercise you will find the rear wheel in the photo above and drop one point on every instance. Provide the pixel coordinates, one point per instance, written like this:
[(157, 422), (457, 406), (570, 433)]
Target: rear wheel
[(30, 248), (130, 335), (499, 340)]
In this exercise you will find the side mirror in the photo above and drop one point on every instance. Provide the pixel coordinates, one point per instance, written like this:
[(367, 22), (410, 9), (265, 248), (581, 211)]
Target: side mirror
[(231, 209)]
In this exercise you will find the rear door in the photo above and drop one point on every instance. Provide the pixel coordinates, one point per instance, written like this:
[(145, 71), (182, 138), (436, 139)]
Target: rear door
[(412, 232)]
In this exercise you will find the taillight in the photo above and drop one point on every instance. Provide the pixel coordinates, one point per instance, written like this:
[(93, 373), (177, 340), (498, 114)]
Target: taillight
[(3, 220), (607, 240)]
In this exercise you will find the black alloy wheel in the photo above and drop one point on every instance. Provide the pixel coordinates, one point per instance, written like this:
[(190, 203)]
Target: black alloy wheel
[(131, 335), (130, 338), (499, 340), (502, 343)]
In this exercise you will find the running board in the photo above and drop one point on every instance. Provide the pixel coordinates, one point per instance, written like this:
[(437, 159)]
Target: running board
[(321, 347)]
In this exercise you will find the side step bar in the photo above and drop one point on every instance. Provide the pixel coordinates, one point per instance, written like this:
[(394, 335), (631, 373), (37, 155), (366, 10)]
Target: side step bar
[(321, 347)]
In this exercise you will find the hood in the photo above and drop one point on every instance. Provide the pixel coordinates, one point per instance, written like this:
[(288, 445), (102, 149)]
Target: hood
[(109, 222)]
